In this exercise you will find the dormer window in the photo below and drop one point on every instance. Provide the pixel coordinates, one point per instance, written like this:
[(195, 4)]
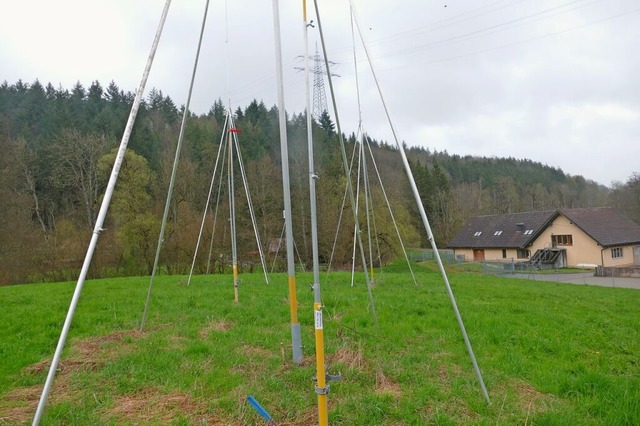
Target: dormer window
[(497, 233), (477, 234)]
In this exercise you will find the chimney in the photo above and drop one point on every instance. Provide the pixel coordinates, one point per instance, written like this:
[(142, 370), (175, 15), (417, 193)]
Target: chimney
[(520, 227)]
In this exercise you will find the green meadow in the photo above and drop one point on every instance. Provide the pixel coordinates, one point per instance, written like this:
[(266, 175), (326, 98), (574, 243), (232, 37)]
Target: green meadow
[(550, 354)]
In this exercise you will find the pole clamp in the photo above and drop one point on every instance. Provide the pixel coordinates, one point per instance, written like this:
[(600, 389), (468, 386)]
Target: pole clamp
[(322, 391), (328, 379), (333, 377)]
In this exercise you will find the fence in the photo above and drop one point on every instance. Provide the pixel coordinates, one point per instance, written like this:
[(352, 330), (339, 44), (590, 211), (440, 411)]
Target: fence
[(613, 271), (512, 267), (417, 255)]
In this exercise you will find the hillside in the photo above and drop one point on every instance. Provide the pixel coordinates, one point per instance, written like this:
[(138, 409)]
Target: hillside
[(58, 147)]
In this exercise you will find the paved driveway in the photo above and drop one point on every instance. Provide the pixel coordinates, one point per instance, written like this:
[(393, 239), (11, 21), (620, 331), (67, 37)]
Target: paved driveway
[(583, 278)]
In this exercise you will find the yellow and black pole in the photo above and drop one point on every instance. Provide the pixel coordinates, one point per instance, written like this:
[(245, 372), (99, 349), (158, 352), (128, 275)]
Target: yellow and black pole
[(232, 214), (322, 388), (296, 341)]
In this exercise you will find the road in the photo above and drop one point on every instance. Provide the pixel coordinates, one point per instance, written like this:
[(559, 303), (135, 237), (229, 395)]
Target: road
[(583, 278)]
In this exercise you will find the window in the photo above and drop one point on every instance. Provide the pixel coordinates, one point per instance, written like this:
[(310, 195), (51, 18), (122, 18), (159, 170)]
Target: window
[(497, 233), (616, 253), (523, 254), (561, 240), (477, 234), (504, 253), (528, 232)]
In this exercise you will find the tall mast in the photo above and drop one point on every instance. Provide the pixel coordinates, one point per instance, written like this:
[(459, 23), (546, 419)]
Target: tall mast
[(104, 207), (322, 389), (296, 340)]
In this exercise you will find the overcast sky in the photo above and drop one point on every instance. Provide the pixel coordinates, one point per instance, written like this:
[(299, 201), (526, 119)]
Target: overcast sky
[(553, 81)]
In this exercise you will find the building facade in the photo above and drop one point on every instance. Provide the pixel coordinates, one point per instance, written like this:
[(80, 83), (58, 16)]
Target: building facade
[(580, 238)]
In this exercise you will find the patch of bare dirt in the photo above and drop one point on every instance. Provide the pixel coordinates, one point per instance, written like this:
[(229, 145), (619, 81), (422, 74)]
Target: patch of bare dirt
[(444, 372), (19, 405), (526, 399), (219, 326), (152, 406), (105, 346), (531, 400), (352, 358), (384, 385), (255, 351)]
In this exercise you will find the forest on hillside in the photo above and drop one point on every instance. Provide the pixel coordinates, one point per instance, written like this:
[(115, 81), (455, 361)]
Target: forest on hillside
[(58, 147)]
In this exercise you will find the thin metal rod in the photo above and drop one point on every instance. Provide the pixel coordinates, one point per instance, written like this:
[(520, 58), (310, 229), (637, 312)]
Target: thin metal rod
[(275, 256), (296, 341), (206, 206), (344, 201), (393, 218), (232, 217), (356, 228), (254, 222), (368, 203), (100, 219), (215, 214), (176, 160), (423, 215), (345, 164)]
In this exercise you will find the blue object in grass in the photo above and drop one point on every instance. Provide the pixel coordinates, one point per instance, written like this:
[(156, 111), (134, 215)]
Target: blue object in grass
[(259, 408)]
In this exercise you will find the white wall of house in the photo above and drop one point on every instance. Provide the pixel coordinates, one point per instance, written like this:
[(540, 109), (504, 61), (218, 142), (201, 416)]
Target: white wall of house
[(583, 248), (625, 260), (491, 254)]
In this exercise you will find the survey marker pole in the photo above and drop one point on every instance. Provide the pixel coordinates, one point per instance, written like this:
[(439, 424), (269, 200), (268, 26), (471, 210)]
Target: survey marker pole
[(101, 217), (296, 341), (322, 389), (232, 217)]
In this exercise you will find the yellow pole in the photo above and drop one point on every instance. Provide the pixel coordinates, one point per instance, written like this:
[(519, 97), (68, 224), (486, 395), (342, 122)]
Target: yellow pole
[(232, 214), (321, 374), (322, 389), (235, 282)]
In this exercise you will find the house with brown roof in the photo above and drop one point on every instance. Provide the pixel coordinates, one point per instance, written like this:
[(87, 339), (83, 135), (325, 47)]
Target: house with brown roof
[(568, 237)]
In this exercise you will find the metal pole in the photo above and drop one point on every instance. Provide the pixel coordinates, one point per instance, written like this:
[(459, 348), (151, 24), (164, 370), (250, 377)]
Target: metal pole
[(347, 170), (176, 160), (356, 228), (296, 341), (254, 222), (322, 389), (206, 208), (393, 219), (425, 221), (232, 219), (100, 219), (220, 182), (368, 203)]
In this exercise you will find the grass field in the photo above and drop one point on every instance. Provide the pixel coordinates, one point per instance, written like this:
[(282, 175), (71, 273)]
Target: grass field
[(551, 354)]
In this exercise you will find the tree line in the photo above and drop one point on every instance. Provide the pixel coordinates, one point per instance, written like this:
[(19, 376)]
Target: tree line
[(58, 148)]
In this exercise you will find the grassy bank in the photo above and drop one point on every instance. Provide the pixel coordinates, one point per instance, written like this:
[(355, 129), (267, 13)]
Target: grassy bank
[(550, 353)]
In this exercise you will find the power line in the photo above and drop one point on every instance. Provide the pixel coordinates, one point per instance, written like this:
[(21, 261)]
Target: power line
[(319, 91)]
